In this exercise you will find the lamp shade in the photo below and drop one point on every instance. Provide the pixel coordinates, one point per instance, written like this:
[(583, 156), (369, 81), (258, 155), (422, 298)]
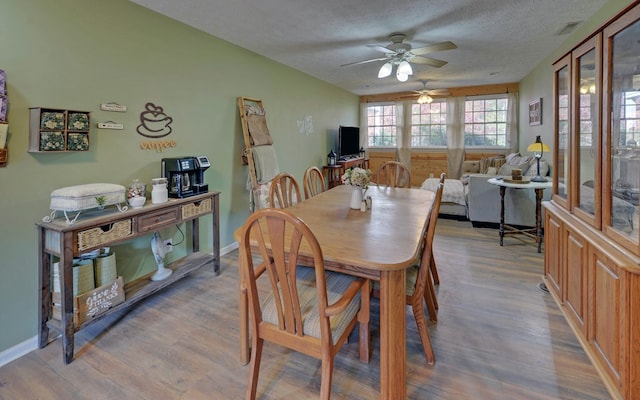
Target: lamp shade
[(385, 70), (538, 146), (405, 68), (401, 77)]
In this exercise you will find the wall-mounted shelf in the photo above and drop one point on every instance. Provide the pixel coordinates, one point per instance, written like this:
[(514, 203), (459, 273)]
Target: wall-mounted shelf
[(58, 130)]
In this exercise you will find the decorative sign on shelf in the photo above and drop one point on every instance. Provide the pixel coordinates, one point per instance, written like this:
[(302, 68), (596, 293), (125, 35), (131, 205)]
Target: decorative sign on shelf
[(110, 125), (115, 107)]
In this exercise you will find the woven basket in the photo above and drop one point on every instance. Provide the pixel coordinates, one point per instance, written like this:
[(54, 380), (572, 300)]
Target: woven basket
[(95, 237), (190, 210)]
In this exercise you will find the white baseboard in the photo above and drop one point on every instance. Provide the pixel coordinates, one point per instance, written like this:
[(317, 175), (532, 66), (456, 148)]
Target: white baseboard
[(29, 345), (18, 350), (229, 248)]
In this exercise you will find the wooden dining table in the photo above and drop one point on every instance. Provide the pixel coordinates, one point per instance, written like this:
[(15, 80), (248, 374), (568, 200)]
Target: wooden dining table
[(379, 244)]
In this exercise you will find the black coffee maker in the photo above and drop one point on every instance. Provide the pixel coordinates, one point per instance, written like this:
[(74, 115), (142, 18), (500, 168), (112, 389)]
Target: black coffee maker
[(185, 175)]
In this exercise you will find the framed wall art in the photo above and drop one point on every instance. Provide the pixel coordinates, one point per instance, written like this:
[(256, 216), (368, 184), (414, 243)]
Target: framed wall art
[(535, 112)]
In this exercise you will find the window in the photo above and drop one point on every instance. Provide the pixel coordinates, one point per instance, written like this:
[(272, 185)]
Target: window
[(429, 124), (586, 120), (381, 125), (485, 122), (630, 119)]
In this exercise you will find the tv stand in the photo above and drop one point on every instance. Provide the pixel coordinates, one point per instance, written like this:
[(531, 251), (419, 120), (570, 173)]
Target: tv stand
[(334, 172)]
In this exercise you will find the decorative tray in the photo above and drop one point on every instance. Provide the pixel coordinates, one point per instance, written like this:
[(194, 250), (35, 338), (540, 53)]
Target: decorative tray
[(517, 182)]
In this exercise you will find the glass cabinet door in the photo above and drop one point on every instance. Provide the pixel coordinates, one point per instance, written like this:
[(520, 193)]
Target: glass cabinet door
[(586, 117), (562, 111), (622, 125)]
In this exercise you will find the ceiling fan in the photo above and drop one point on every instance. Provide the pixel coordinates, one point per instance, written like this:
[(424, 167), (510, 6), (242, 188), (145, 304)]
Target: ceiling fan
[(424, 95), (400, 55)]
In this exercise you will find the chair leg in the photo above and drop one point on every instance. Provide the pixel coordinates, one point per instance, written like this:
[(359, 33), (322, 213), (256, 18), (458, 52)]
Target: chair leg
[(363, 321), (254, 368), (434, 270), (430, 299), (327, 374), (421, 323)]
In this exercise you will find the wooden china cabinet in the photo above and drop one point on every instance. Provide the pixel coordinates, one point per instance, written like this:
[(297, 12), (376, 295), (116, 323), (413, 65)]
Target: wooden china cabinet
[(592, 256)]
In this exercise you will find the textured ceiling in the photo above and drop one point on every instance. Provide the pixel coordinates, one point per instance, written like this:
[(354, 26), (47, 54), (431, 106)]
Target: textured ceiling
[(498, 41)]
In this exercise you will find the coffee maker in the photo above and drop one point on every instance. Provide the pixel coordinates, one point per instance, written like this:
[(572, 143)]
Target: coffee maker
[(185, 175)]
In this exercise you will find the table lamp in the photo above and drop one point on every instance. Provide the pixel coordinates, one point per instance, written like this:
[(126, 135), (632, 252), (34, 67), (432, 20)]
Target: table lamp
[(538, 148)]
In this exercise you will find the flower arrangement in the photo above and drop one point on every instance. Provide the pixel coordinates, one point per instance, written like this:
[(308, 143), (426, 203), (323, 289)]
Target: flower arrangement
[(357, 177)]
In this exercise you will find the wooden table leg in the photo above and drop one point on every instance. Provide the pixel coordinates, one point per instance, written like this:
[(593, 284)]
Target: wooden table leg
[(44, 277), (66, 285), (502, 191), (216, 234), (539, 219), (393, 346)]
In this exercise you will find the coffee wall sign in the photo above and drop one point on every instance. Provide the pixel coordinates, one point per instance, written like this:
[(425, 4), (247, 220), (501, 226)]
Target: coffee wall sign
[(155, 124)]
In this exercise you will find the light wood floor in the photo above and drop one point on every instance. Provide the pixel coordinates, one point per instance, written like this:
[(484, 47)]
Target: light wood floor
[(498, 337)]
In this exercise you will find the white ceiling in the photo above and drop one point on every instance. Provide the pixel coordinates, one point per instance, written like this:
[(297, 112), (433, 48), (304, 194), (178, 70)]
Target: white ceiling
[(499, 41)]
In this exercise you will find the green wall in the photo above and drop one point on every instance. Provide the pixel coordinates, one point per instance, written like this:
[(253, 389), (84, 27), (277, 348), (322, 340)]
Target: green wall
[(77, 54)]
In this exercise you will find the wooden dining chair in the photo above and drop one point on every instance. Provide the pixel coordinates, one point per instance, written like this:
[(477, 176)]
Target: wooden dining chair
[(313, 182), (308, 309), (393, 174), (434, 269), (420, 287), (284, 191)]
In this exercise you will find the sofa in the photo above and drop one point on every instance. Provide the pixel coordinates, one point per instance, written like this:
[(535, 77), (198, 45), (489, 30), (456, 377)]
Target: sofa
[(483, 198)]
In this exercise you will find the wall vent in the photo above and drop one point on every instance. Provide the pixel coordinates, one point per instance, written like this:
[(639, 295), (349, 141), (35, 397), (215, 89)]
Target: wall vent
[(568, 28)]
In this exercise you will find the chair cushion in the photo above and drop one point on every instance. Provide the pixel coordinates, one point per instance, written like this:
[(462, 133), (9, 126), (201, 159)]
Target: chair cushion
[(337, 283), (412, 277)]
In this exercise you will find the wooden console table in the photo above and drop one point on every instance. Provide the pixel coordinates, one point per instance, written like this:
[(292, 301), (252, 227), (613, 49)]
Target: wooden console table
[(59, 240), (334, 172)]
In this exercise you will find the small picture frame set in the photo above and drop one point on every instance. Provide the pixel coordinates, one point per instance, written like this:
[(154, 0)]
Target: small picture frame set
[(535, 112)]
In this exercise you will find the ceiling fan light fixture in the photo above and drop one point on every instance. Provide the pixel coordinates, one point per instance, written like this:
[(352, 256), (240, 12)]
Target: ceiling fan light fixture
[(405, 68), (425, 98), (385, 70), (401, 77)]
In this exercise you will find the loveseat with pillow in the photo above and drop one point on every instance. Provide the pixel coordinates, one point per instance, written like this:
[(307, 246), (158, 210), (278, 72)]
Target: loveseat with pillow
[(483, 198)]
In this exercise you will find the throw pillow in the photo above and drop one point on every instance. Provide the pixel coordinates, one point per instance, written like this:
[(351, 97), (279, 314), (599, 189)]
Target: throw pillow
[(484, 164), (492, 171), (496, 162), (533, 168), (521, 162), (510, 157), (506, 169)]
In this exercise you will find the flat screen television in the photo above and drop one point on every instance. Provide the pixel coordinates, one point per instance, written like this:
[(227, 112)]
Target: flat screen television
[(348, 142)]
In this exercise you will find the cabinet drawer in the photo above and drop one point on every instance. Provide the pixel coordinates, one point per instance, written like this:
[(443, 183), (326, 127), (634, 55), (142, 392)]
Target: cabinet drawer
[(103, 235), (158, 220), (196, 208)]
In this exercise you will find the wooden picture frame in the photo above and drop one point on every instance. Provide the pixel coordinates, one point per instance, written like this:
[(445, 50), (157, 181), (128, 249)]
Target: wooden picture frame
[(535, 112)]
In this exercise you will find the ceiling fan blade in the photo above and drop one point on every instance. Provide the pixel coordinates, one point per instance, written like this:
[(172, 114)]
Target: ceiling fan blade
[(438, 92), (432, 48), (381, 48), (365, 61), (428, 61)]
